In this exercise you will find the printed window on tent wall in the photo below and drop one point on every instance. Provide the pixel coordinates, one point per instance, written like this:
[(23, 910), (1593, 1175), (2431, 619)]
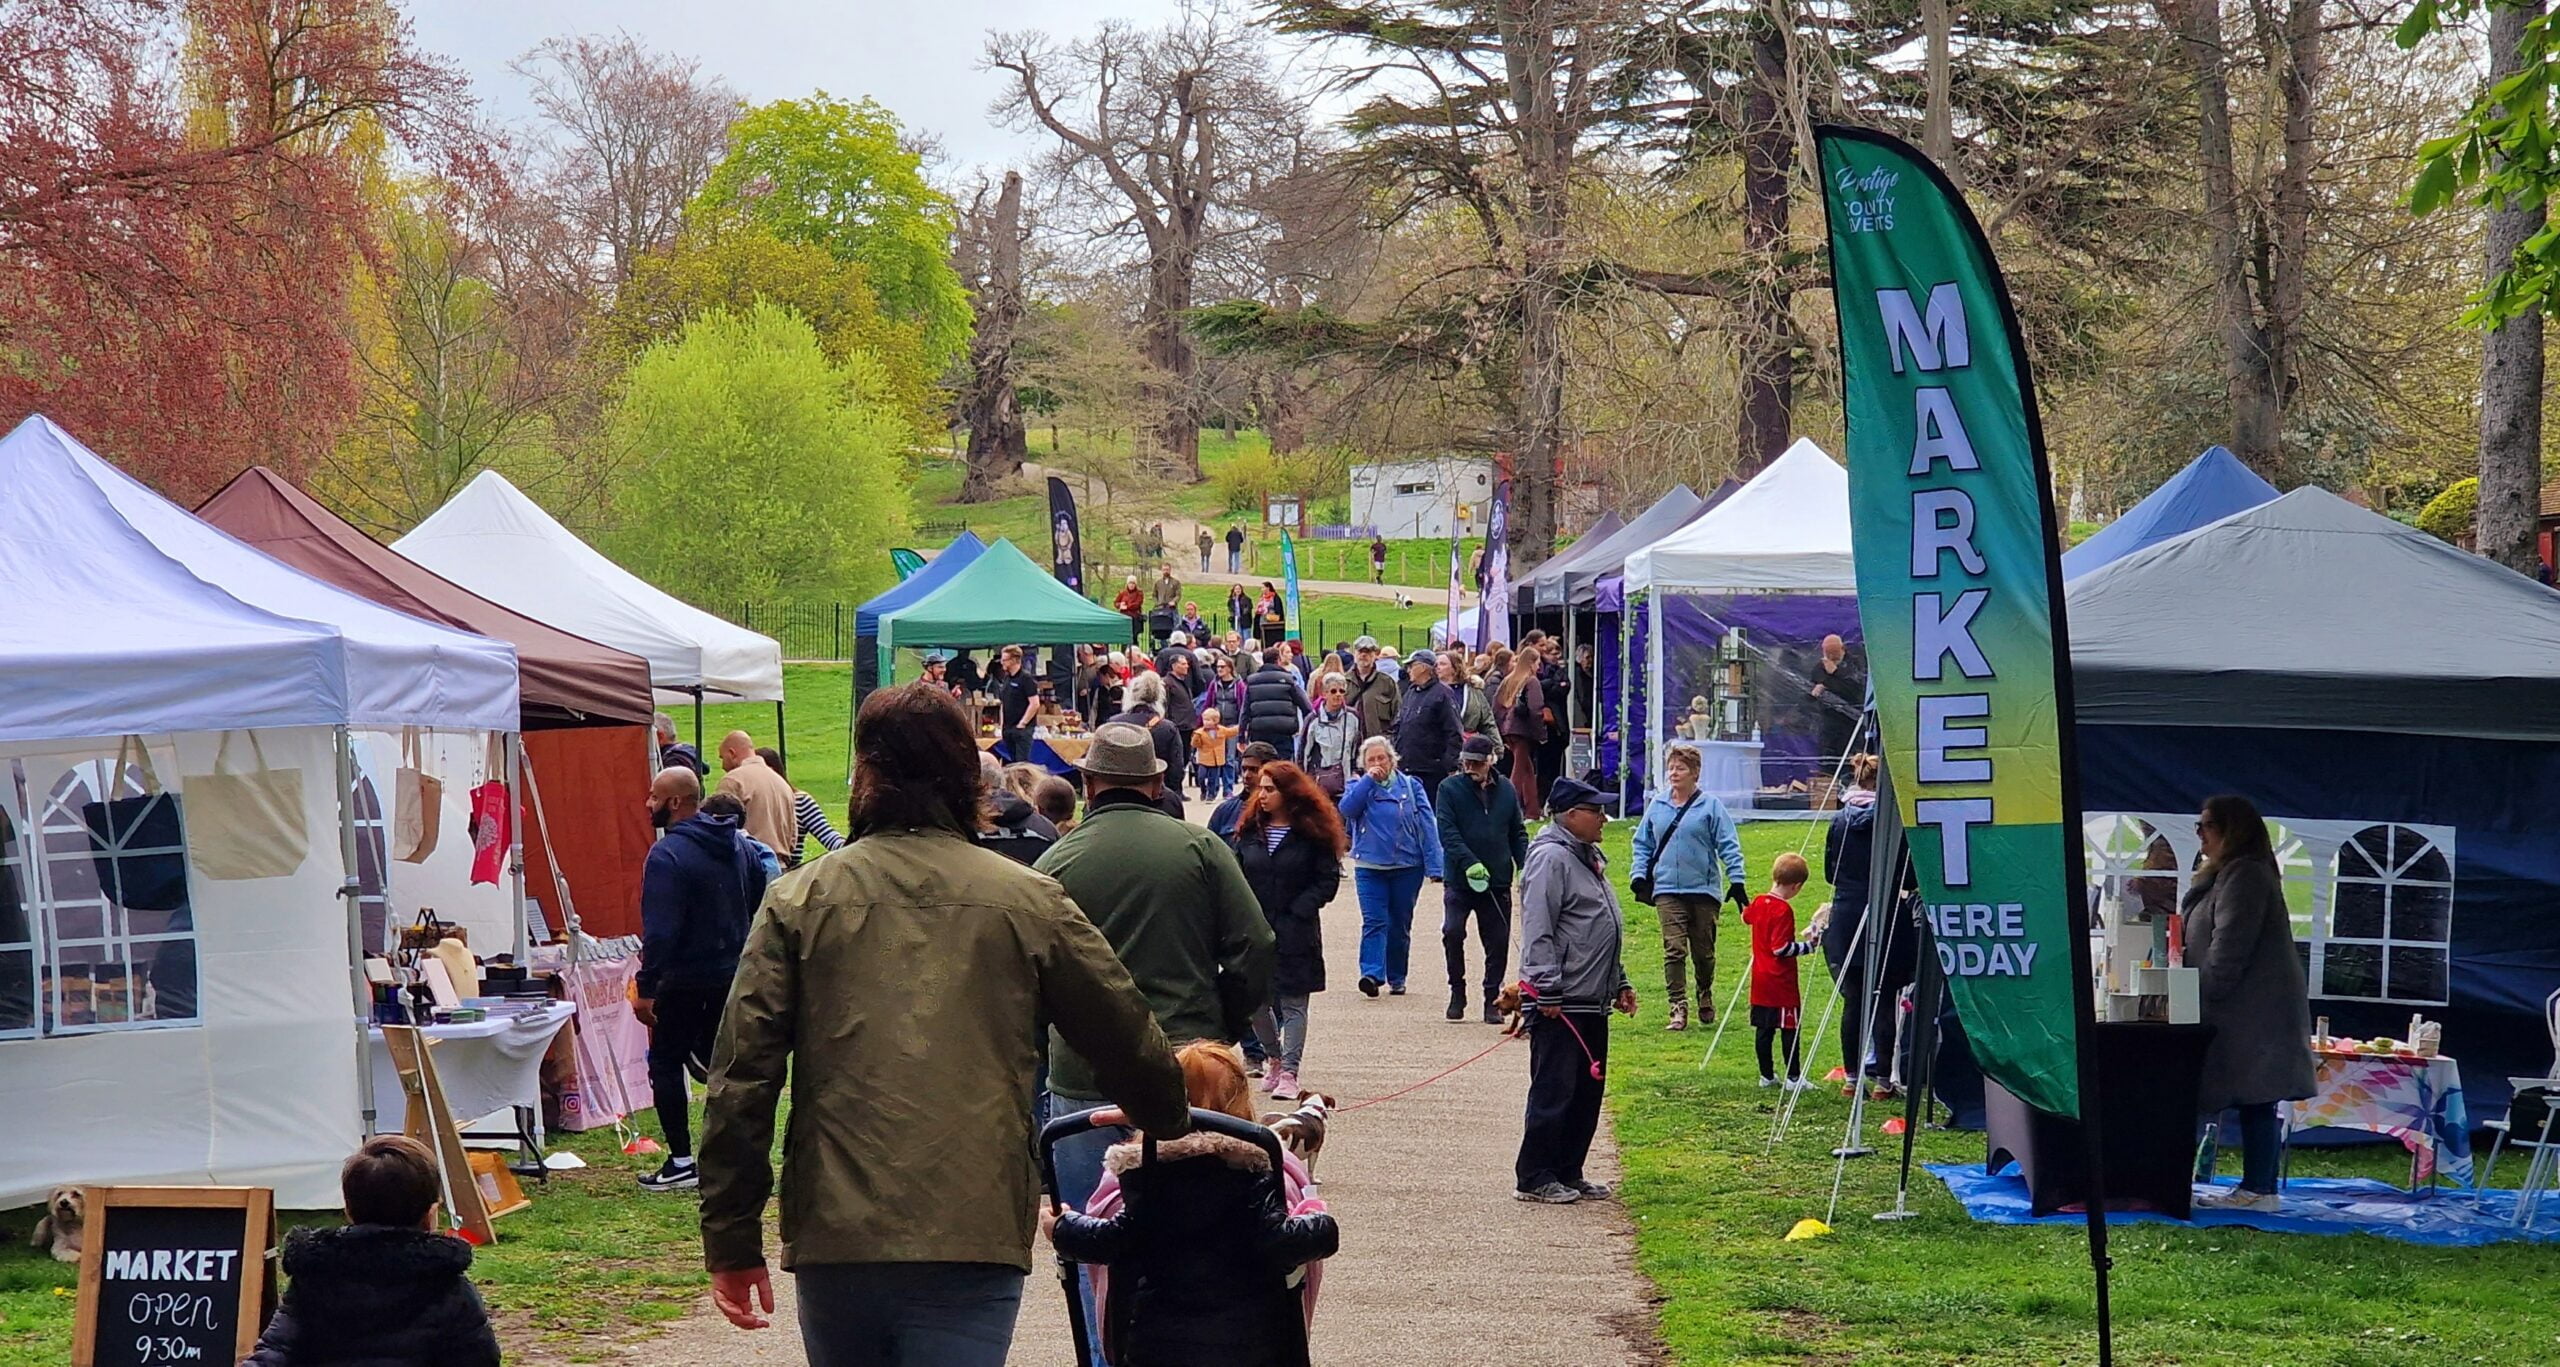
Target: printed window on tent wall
[(17, 930), (373, 858), (98, 868), (2134, 866), (2390, 927)]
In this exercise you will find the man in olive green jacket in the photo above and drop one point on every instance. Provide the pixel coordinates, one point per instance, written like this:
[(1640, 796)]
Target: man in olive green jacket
[(897, 983)]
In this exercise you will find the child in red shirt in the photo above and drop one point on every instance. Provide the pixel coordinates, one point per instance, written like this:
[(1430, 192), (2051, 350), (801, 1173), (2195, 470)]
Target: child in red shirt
[(1776, 1003)]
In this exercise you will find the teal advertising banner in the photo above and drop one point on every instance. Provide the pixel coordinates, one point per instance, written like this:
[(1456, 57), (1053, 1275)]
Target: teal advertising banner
[(1959, 589), (1289, 576)]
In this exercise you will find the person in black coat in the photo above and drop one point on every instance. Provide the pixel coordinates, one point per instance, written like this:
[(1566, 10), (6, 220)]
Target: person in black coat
[(1275, 705), (388, 1290), (1426, 730), (1847, 850), (1290, 843), (1480, 830)]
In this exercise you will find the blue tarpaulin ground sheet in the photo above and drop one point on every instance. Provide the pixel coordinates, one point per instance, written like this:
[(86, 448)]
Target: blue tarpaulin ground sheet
[(2448, 1217)]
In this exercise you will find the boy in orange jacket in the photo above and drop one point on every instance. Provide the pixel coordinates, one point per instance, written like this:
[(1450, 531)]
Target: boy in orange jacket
[(1777, 1004)]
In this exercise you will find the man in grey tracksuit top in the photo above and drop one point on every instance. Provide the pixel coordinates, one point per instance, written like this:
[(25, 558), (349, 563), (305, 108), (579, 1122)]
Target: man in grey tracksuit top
[(1570, 937)]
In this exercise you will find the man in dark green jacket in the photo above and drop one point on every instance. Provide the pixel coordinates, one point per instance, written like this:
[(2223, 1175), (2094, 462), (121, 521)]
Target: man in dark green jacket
[(894, 986), (1482, 840), (1174, 905)]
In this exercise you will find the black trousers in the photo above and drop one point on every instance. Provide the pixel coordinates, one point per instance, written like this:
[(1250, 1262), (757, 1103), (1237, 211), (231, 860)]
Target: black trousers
[(688, 1027), (1564, 1098), (1491, 909)]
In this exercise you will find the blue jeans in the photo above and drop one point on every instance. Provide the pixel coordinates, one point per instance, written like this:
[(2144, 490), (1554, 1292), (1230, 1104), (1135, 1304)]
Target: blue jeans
[(1079, 1160), (1281, 1028), (2261, 1146), (1386, 921), (908, 1314)]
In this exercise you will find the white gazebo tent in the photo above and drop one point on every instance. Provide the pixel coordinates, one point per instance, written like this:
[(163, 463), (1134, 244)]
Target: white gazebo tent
[(1746, 591), (496, 542), (177, 1001)]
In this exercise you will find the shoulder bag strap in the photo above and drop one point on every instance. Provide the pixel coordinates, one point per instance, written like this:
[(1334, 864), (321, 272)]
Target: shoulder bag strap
[(1668, 831)]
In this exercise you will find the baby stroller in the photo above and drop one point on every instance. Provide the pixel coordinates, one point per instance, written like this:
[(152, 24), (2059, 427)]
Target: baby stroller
[(1203, 1253)]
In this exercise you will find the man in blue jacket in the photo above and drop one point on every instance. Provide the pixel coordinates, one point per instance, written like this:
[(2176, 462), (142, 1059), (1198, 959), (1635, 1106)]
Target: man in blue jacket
[(698, 890), (1687, 848), (1482, 839)]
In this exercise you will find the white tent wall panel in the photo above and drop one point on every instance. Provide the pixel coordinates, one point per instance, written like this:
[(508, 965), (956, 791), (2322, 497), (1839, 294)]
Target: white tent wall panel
[(264, 1089)]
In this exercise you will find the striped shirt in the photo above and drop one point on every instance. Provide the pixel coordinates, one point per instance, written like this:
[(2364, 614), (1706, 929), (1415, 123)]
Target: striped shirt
[(813, 823)]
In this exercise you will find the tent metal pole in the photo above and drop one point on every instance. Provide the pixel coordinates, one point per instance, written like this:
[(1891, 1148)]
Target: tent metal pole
[(696, 691), (515, 845), (780, 747), (352, 890)]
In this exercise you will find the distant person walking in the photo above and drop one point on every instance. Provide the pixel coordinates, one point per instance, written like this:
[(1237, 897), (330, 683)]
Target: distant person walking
[(699, 888), (672, 751), (1235, 548), (1519, 705), (1426, 731), (1275, 705), (1374, 692), (1482, 840), (813, 818), (1144, 700), (896, 990), (1207, 544), (1570, 938), (1239, 610), (1290, 844), (1395, 845), (772, 814), (1132, 604), (1688, 854), (1377, 559)]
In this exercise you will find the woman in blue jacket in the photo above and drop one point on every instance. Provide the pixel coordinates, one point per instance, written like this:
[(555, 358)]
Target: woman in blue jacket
[(1395, 845), (1687, 845)]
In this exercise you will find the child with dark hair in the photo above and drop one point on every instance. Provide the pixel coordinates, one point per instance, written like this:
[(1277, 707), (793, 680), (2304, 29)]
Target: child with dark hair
[(386, 1289), (1777, 1003)]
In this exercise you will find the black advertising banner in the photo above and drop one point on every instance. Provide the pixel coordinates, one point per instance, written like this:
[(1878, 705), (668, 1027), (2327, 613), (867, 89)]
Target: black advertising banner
[(1066, 538)]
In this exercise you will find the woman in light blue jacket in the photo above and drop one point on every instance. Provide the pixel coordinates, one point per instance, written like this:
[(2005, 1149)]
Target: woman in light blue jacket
[(1687, 845), (1395, 845)]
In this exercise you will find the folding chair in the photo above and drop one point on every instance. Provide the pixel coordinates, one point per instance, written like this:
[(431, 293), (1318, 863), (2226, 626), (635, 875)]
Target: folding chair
[(2532, 1121)]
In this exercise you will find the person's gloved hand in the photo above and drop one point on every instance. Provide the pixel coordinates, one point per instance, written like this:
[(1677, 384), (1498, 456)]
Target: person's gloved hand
[(1476, 878), (1738, 895)]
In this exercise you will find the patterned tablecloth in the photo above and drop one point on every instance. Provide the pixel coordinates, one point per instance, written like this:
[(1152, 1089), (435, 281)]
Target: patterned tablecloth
[(2416, 1101)]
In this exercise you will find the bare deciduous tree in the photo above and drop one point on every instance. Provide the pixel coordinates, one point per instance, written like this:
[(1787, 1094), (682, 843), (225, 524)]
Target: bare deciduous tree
[(1170, 128), (634, 135)]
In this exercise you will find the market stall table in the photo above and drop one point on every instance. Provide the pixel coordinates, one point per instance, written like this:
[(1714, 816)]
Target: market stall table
[(486, 1067), (2413, 1099), (2148, 1072)]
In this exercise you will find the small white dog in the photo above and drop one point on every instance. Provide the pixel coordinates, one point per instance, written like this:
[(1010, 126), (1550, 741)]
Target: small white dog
[(65, 1210), (1403, 599)]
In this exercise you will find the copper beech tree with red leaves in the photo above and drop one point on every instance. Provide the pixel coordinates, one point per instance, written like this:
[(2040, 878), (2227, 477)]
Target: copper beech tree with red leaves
[(182, 210)]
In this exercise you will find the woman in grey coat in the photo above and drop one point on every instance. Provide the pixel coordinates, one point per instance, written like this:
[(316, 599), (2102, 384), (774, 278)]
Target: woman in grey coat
[(2240, 934)]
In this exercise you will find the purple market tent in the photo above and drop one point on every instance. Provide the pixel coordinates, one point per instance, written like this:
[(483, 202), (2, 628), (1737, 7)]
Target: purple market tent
[(1603, 606), (1728, 616)]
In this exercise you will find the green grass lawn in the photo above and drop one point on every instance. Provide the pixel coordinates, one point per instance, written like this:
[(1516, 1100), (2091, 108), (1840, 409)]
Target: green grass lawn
[(1711, 1202), (1420, 563)]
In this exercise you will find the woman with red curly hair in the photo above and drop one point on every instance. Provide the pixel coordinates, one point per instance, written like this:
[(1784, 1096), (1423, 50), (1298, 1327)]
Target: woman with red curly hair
[(1290, 842)]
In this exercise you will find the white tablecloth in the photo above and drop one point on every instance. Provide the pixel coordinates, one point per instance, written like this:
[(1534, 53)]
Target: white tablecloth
[(1730, 769), (485, 1066)]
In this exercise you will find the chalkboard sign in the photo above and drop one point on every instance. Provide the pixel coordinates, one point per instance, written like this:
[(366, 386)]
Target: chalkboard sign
[(173, 1275)]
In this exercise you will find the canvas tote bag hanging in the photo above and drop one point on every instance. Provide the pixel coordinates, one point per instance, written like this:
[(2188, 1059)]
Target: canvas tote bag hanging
[(246, 822), (418, 813), (139, 882)]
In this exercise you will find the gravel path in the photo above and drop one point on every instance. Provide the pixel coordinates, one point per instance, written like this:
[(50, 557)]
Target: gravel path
[(1438, 1264)]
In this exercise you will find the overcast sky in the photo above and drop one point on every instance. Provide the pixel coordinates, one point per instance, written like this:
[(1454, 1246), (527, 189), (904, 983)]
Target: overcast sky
[(918, 57)]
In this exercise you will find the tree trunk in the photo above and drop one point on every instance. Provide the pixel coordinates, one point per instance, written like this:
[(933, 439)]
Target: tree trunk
[(1283, 408), (1767, 410), (1529, 50), (1172, 362), (998, 442), (1937, 116), (2289, 227), (2256, 423), (2510, 358)]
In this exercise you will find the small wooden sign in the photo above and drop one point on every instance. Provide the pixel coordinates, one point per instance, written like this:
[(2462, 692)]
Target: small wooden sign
[(430, 1121), (174, 1275)]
